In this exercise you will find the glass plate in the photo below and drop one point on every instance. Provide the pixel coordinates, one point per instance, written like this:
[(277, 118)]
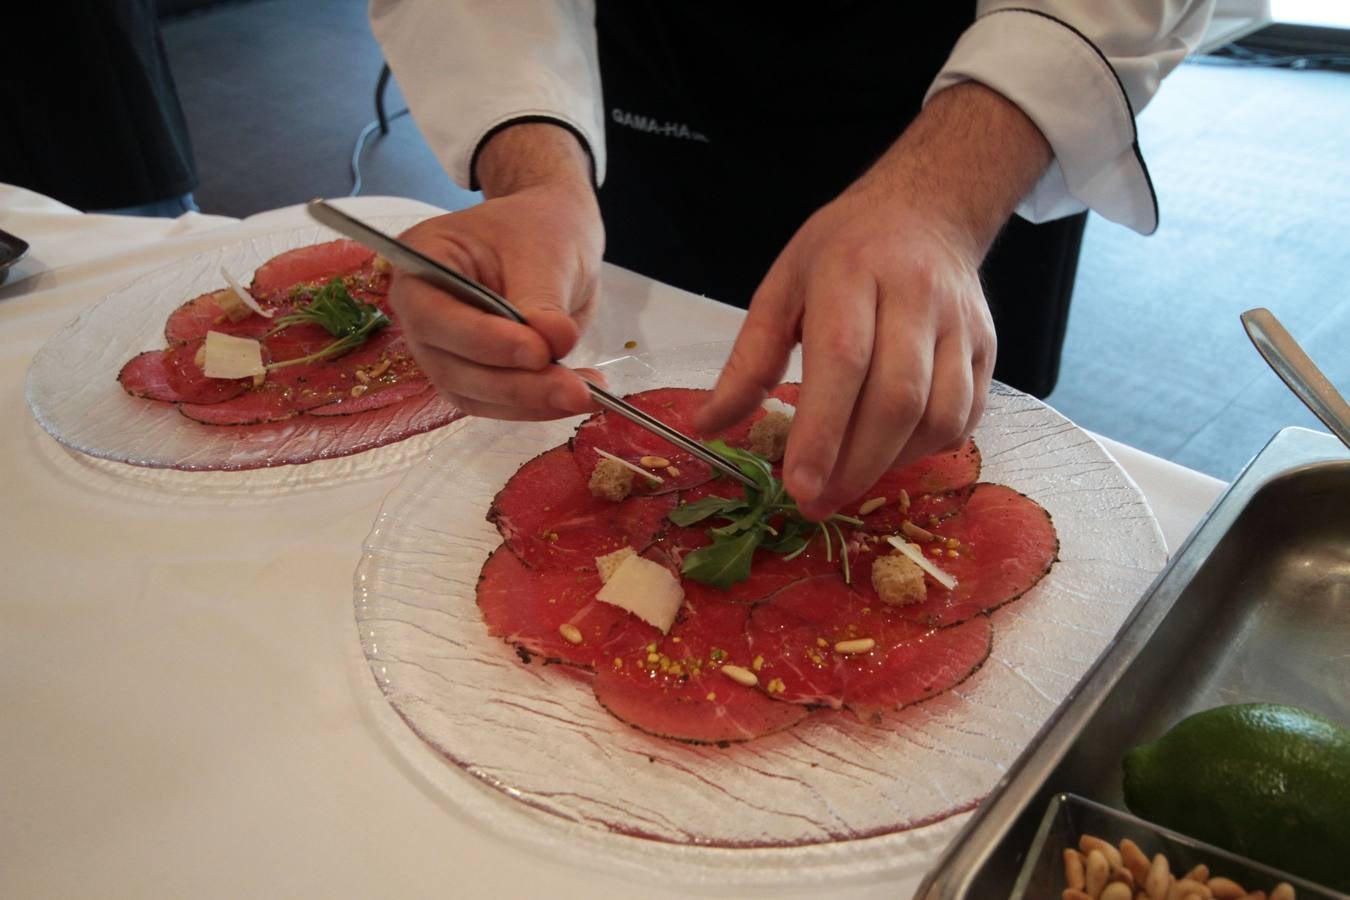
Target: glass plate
[(831, 789), (74, 394)]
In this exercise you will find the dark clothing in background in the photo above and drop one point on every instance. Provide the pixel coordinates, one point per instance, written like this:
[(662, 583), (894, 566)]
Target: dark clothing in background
[(729, 124), (92, 115)]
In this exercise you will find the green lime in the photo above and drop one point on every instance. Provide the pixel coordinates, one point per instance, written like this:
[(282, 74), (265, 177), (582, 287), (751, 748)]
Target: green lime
[(1269, 782)]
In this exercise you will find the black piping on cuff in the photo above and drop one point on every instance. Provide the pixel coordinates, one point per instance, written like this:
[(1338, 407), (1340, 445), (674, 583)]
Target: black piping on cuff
[(1124, 97), (528, 120)]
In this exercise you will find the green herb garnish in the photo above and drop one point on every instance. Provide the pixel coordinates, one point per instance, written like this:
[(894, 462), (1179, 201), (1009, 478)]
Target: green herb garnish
[(747, 524), (349, 320)]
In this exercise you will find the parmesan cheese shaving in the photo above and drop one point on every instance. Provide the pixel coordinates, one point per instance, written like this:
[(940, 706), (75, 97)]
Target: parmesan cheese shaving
[(914, 552), (227, 356), (626, 464), (646, 589), (244, 296), (773, 404)]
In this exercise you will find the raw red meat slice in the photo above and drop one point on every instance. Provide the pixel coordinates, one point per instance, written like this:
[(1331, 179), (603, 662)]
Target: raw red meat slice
[(173, 375), (615, 434), (379, 396), (196, 317), (936, 485), (145, 375), (673, 686), (769, 571), (526, 607), (1006, 545), (549, 518), (796, 631), (308, 265), (294, 389)]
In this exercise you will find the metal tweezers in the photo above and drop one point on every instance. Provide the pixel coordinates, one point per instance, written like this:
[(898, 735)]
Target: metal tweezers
[(403, 257)]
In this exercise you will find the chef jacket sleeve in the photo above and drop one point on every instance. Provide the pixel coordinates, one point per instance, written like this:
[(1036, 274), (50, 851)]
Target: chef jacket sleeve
[(470, 67), (1081, 71)]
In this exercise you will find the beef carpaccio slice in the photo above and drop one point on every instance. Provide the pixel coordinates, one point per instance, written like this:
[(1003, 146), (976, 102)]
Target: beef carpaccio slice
[(527, 608), (673, 687), (936, 485), (796, 632), (614, 434), (378, 396), (193, 319), (315, 264), (549, 519), (1006, 543), (172, 375), (291, 390)]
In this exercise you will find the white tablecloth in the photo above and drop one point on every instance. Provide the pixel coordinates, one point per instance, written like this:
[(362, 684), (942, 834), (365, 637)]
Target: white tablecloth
[(185, 712)]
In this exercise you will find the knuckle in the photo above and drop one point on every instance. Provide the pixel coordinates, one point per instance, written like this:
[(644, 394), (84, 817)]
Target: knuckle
[(901, 402)]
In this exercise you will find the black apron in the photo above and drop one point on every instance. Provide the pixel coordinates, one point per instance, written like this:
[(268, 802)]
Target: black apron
[(93, 118), (728, 124)]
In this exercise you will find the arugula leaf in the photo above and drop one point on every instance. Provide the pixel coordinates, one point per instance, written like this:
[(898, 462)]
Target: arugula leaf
[(349, 320), (766, 517), (689, 513), (723, 562)]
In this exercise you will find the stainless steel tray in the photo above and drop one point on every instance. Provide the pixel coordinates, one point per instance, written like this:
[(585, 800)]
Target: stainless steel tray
[(1254, 607)]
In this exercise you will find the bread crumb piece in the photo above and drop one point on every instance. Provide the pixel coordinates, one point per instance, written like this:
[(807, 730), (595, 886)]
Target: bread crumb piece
[(768, 436), (898, 580), (611, 480), (611, 561)]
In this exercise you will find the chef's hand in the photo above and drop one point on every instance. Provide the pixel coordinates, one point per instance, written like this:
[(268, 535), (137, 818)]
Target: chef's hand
[(882, 287), (536, 239)]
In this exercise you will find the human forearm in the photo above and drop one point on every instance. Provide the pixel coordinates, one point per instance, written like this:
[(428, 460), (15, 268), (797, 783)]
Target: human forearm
[(965, 162), (532, 154)]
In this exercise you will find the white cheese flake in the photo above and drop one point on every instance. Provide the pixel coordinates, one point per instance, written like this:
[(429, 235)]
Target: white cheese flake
[(228, 356), (915, 552), (646, 589), (773, 404), (244, 296)]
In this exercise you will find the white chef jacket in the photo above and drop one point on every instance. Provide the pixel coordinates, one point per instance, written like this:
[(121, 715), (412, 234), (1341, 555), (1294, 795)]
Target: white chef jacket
[(1079, 69)]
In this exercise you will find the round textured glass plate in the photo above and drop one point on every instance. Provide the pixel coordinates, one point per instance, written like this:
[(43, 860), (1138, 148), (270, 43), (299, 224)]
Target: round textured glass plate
[(75, 396), (833, 794)]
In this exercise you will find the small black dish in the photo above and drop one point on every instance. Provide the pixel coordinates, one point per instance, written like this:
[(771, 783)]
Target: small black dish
[(12, 250)]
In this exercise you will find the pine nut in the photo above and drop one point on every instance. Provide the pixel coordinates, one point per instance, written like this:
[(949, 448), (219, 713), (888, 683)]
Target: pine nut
[(871, 506), (381, 368), (358, 390), (1134, 860), (1200, 873), (1226, 889), (654, 462), (672, 471), (570, 633), (1116, 890), (858, 645), (1098, 868), (363, 376), (740, 675), (1283, 891), (914, 532), (1074, 874), (1088, 843), (1122, 875), (1159, 877)]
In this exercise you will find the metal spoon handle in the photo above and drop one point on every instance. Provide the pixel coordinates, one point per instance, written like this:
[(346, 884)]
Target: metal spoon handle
[(1297, 370)]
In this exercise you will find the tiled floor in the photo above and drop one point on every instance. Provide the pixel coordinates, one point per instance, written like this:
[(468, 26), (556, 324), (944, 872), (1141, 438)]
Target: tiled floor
[(1249, 164)]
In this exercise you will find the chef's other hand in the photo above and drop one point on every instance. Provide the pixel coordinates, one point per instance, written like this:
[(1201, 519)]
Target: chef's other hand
[(537, 240), (882, 287)]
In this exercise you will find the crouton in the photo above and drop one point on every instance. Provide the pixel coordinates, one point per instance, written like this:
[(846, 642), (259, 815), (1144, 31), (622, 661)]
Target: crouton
[(611, 480), (768, 436), (898, 580)]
